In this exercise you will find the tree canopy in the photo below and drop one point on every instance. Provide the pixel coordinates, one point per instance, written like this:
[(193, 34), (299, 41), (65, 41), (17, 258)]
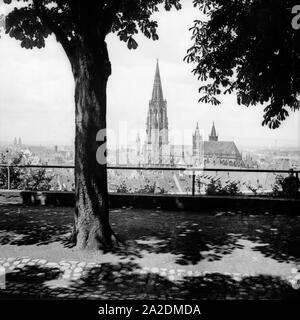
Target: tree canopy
[(35, 20), (248, 47)]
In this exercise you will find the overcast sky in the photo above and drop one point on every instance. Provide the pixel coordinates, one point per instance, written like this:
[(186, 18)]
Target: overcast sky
[(37, 89)]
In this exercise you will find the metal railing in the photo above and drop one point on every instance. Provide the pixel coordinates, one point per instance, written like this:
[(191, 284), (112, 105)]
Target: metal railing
[(192, 170)]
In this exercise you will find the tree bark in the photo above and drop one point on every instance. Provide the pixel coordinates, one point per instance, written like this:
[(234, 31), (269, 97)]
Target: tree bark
[(91, 70)]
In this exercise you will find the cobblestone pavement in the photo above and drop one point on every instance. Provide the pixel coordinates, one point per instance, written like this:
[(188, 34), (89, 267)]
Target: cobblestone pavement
[(41, 279)]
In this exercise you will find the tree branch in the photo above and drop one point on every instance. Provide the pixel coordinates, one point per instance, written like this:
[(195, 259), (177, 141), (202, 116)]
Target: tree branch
[(59, 33), (109, 13)]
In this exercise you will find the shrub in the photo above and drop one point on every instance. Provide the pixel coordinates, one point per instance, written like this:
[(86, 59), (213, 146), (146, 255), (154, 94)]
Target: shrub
[(231, 188), (22, 178), (123, 188), (215, 188), (147, 188), (277, 187), (286, 187)]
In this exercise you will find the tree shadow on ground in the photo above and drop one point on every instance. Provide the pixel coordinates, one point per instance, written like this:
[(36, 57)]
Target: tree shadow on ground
[(126, 281), (189, 247), (220, 286), (35, 274), (28, 282), (190, 237), (22, 225), (195, 237), (280, 240)]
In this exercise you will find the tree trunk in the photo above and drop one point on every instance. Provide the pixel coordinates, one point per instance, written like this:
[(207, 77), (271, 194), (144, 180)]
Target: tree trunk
[(91, 71)]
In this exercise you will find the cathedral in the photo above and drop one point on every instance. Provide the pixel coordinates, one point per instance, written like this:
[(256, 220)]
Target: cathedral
[(158, 151)]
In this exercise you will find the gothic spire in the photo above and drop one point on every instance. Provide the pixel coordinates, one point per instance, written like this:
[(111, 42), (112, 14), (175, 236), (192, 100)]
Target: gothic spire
[(157, 93), (197, 131), (213, 130), (213, 135)]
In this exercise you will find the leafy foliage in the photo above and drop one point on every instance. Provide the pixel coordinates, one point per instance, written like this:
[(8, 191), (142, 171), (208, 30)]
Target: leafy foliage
[(147, 188), (277, 187), (71, 21), (22, 178), (215, 188), (248, 47), (123, 188), (287, 187)]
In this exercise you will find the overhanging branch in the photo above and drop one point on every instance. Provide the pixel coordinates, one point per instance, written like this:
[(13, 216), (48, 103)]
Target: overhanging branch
[(56, 29), (109, 13)]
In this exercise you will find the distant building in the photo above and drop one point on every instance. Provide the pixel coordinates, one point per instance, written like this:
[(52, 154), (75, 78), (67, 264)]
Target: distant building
[(249, 162), (17, 143)]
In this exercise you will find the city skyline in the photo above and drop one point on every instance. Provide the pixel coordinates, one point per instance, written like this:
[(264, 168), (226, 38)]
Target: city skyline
[(37, 91)]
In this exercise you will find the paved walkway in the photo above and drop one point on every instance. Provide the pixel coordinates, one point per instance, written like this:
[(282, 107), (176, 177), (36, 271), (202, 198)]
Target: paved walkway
[(38, 278)]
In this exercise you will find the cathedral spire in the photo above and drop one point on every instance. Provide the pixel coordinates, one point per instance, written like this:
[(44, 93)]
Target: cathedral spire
[(157, 93), (213, 135)]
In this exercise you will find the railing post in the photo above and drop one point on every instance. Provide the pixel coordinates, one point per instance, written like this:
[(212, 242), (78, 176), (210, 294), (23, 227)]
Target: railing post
[(8, 178), (297, 186), (193, 186)]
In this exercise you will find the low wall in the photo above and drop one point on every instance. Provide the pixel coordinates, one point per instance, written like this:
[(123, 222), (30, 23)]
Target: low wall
[(201, 203)]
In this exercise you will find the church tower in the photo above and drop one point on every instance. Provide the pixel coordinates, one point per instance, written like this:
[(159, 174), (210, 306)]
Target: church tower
[(157, 124), (198, 147), (213, 135)]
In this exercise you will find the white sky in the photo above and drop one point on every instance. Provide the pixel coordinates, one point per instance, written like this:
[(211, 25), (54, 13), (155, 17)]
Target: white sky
[(37, 89)]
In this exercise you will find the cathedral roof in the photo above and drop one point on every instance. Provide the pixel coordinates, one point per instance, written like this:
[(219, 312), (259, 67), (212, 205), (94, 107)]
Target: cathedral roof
[(157, 93), (226, 148)]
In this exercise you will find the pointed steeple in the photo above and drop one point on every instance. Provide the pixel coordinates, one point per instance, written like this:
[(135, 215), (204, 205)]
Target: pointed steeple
[(157, 93), (196, 135), (213, 135), (197, 131)]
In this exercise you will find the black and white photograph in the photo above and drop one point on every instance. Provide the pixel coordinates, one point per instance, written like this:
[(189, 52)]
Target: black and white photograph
[(149, 151)]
